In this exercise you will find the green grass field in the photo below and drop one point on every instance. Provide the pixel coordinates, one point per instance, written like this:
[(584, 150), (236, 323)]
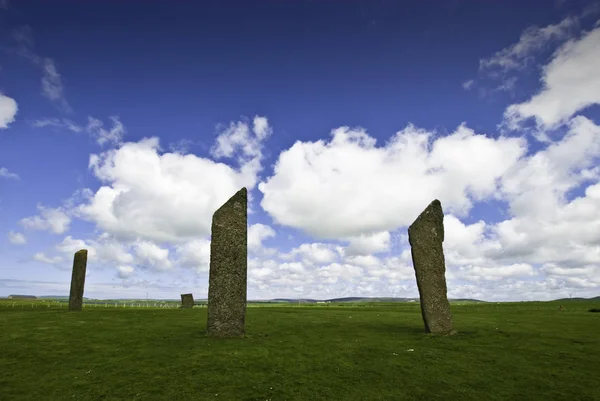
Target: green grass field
[(513, 351)]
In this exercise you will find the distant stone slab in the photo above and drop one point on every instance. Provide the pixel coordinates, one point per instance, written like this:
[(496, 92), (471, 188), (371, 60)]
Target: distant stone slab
[(78, 281), (228, 268), (187, 301), (425, 236)]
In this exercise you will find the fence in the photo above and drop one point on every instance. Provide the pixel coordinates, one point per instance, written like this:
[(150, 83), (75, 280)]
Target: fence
[(95, 305)]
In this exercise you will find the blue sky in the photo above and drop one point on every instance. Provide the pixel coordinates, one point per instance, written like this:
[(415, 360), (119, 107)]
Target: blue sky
[(124, 127)]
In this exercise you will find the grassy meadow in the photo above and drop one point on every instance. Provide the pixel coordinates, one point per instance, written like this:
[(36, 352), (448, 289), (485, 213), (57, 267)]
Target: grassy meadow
[(374, 351)]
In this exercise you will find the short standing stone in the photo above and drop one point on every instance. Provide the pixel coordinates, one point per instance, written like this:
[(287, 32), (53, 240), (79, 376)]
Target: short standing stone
[(425, 236), (187, 301), (78, 281), (228, 268)]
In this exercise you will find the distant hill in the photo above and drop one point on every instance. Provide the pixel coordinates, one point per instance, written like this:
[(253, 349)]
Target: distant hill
[(568, 299), (362, 299), (308, 300), (301, 300), (576, 299)]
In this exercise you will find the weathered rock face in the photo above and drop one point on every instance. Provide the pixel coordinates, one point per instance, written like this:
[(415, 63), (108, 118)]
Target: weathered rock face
[(425, 236), (187, 301), (228, 268), (78, 281)]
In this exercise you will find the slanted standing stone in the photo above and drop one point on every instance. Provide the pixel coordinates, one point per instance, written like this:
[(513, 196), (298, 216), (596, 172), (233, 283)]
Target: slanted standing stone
[(425, 236), (228, 268), (187, 301), (78, 281)]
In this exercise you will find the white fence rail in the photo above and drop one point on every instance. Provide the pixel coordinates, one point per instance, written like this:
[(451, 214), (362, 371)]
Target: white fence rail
[(96, 305)]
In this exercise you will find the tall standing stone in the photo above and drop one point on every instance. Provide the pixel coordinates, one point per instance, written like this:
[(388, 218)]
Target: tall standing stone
[(187, 301), (78, 281), (425, 236), (228, 268)]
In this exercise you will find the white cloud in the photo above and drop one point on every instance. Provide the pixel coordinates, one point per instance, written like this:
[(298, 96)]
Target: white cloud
[(16, 238), (4, 173), (544, 228), (508, 85), (8, 111), (571, 82), (257, 233), (367, 244), (537, 185), (260, 127), (125, 272), (532, 40), (159, 196), (57, 123), (330, 274), (41, 257), (494, 273), (70, 245), (113, 135), (55, 220), (238, 137), (194, 254), (349, 187), (312, 254), (468, 85), (52, 85), (151, 255)]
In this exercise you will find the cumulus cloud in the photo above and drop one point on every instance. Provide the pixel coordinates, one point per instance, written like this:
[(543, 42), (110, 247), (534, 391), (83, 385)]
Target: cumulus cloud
[(240, 137), (194, 254), (261, 128), (125, 256), (161, 197), (368, 244), (125, 272), (5, 173), (41, 257), (330, 274), (16, 238), (312, 254), (8, 110), (70, 245), (348, 187), (150, 254), (545, 228), (570, 83), (257, 233), (55, 220)]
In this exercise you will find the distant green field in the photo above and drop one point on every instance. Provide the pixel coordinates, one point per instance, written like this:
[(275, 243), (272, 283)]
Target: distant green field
[(375, 351)]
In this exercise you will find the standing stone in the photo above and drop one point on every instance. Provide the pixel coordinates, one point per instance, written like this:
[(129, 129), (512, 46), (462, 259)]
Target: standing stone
[(78, 281), (187, 301), (425, 236), (228, 268)]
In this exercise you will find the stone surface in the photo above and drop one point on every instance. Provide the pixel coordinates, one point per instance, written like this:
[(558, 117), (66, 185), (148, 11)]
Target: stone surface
[(78, 281), (425, 236), (228, 268), (187, 301)]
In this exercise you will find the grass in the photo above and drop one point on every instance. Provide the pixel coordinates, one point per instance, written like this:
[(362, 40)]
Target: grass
[(514, 351)]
